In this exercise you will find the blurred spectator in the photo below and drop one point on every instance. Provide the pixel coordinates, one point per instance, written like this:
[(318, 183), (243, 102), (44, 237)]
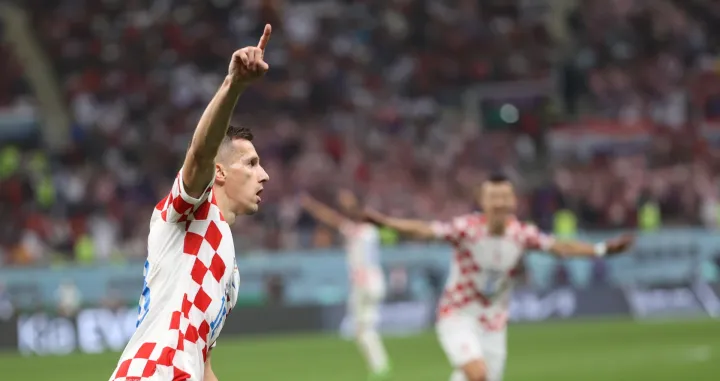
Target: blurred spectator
[(364, 95)]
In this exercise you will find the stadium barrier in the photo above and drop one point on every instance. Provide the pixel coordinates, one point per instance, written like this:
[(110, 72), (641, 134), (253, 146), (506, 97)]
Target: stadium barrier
[(320, 277), (95, 330)]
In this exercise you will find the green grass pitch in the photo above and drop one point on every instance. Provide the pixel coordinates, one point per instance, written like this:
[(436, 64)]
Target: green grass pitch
[(619, 350)]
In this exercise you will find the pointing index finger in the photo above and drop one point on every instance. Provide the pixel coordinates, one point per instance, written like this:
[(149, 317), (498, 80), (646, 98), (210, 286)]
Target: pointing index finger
[(265, 37)]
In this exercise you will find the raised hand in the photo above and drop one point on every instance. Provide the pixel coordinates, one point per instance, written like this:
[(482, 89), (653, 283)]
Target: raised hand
[(248, 64)]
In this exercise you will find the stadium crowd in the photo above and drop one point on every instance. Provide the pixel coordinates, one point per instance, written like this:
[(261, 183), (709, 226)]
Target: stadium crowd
[(362, 95)]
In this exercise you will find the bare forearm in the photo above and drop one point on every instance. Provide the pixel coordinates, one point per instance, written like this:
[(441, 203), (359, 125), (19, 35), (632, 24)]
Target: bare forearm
[(211, 129), (209, 374), (324, 214), (575, 249), (413, 228), (585, 249)]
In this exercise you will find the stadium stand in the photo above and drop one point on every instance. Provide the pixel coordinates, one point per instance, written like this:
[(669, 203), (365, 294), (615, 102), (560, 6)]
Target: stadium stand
[(370, 90)]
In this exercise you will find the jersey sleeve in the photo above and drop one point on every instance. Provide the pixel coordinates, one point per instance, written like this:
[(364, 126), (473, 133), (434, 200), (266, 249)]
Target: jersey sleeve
[(452, 230), (534, 239), (178, 204)]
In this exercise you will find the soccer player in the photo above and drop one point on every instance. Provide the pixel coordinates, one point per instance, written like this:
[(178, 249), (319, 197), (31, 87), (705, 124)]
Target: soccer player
[(488, 252), (191, 277), (367, 283)]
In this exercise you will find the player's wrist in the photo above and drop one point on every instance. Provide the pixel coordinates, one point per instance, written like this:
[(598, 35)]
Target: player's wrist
[(600, 249), (236, 83)]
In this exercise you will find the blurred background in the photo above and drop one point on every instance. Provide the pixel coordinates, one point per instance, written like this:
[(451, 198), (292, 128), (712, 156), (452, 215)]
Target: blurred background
[(603, 112)]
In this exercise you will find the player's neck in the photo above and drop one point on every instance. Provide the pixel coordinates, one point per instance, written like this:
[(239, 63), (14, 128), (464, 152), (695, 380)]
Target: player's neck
[(496, 227), (224, 206), (229, 216)]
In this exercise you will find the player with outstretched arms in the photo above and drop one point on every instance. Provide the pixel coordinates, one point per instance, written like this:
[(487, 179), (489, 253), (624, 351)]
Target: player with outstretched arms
[(367, 283), (191, 277), (488, 252)]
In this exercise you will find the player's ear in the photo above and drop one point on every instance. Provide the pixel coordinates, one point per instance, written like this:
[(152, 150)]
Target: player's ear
[(220, 174)]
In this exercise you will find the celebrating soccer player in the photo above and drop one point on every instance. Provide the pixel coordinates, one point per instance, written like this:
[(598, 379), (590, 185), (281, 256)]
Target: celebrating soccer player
[(367, 282), (489, 248), (191, 276)]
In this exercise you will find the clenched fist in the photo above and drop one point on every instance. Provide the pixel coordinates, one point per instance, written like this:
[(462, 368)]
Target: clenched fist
[(247, 64)]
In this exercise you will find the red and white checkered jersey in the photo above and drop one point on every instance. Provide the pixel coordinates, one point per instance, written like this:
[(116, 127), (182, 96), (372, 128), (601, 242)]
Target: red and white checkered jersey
[(484, 267), (362, 244), (191, 282)]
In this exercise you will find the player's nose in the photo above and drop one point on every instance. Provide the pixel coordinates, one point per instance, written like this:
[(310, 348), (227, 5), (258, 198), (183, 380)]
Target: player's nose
[(264, 177)]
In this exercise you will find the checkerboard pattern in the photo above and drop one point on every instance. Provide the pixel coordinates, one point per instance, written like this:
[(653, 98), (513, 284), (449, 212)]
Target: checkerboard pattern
[(205, 241), (177, 206), (462, 291)]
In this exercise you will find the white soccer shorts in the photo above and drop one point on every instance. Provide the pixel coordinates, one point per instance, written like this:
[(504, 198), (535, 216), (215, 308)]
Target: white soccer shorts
[(463, 339), (364, 304)]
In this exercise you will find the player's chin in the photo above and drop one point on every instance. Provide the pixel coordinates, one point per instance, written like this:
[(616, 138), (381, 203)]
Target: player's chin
[(252, 208)]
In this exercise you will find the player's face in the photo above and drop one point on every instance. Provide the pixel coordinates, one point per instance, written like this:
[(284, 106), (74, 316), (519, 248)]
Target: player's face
[(242, 177), (348, 203), (498, 199)]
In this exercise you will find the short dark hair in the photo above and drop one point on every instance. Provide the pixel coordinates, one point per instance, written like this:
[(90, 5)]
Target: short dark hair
[(235, 132), (498, 177)]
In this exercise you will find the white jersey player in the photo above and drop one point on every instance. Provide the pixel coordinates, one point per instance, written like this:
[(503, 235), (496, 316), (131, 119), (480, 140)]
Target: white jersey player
[(191, 277), (488, 252), (367, 282)]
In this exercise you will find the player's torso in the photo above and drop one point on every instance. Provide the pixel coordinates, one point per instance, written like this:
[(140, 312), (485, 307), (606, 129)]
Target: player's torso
[(191, 283), (362, 245), (202, 269), (482, 274)]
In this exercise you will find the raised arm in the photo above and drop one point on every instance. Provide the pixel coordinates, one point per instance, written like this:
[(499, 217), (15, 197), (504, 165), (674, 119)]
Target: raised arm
[(414, 228), (322, 212), (246, 65)]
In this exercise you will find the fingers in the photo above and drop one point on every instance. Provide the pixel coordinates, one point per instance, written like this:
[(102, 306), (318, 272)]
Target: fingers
[(265, 38), (254, 57), (242, 55), (252, 60)]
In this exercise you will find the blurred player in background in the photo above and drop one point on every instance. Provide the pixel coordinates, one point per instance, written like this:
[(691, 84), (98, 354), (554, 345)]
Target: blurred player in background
[(367, 283), (489, 251), (191, 277)]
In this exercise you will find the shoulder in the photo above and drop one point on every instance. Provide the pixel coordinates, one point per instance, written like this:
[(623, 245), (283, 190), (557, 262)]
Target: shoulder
[(371, 230), (523, 231), (469, 220), (527, 227)]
